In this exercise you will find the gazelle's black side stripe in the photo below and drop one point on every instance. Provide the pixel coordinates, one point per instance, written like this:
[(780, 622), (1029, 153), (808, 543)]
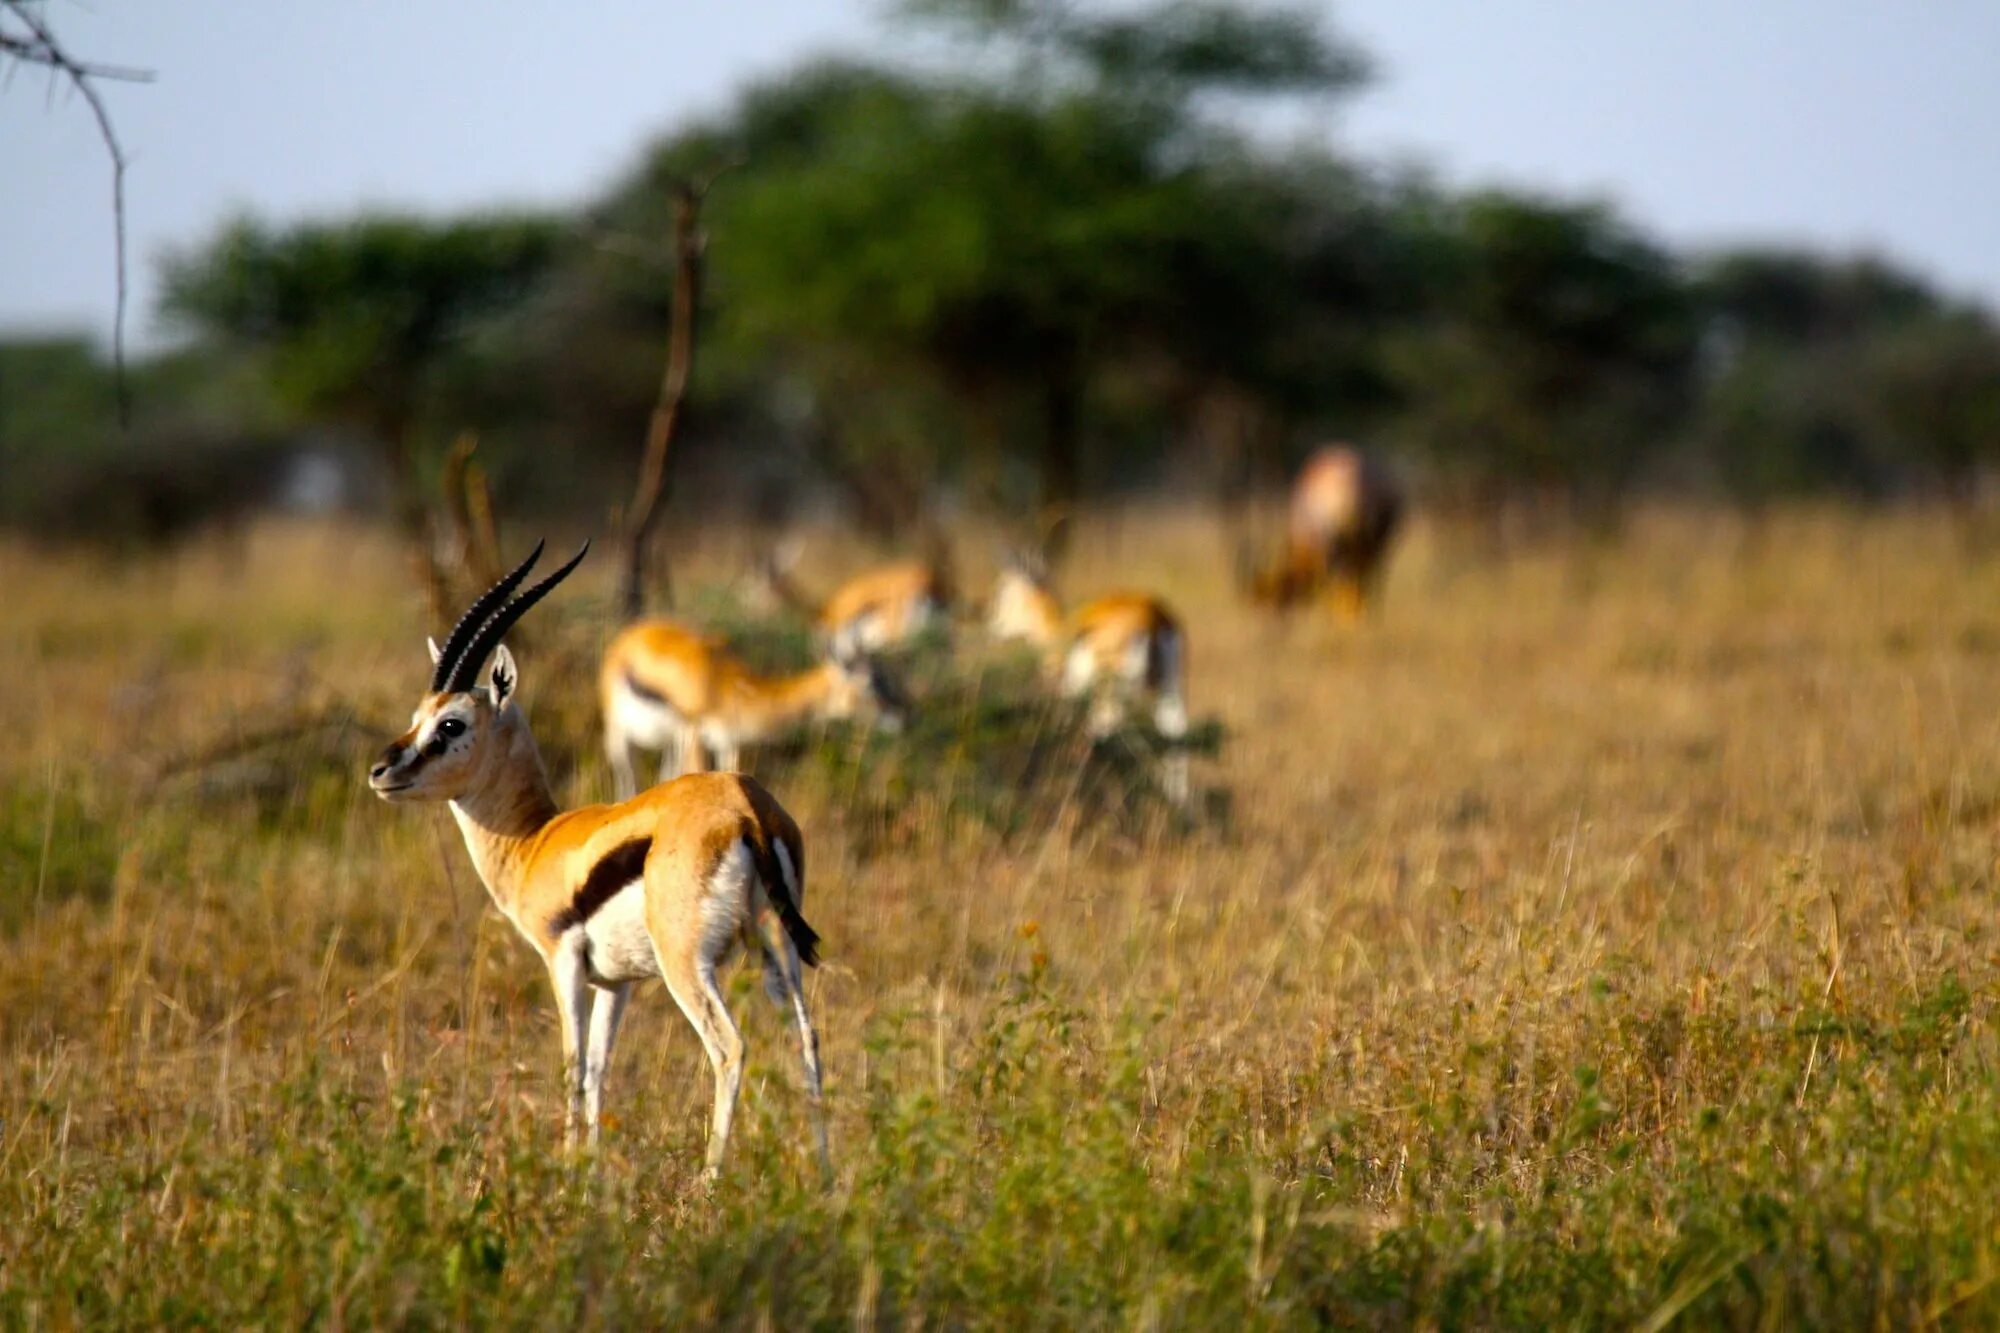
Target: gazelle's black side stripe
[(640, 690), (617, 868)]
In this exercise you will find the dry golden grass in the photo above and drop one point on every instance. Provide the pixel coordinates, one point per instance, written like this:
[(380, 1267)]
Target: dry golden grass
[(1605, 934)]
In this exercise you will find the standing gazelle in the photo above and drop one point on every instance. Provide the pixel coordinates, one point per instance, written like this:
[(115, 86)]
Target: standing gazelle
[(1343, 513), (667, 884), (665, 687), (1118, 649)]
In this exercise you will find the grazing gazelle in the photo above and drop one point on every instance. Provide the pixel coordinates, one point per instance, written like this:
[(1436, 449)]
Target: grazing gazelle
[(665, 687), (881, 608), (1344, 511), (1120, 649), (665, 885)]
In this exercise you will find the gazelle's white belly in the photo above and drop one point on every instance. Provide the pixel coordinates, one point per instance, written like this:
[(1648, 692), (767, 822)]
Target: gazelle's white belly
[(643, 722), (719, 733), (618, 947)]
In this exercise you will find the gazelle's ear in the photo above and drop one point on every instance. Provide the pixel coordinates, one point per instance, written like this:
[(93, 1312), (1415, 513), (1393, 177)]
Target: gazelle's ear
[(436, 652), (504, 678)]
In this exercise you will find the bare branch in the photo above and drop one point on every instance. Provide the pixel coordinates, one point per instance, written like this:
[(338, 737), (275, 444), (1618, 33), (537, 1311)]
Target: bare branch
[(40, 47), (36, 50), (650, 494)]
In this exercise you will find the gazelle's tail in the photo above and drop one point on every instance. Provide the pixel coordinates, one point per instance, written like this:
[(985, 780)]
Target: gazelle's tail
[(782, 887)]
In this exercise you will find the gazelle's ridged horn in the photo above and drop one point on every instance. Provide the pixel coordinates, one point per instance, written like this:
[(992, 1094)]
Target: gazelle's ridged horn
[(476, 615), (466, 670)]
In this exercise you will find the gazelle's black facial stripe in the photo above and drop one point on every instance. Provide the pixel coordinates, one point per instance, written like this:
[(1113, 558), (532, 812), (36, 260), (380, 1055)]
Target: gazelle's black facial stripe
[(447, 730), (413, 750)]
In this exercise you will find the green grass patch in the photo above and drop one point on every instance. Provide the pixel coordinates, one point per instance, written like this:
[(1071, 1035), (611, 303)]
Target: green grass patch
[(52, 848)]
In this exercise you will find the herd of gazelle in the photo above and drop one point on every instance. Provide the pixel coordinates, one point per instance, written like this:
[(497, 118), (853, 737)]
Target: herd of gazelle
[(671, 881)]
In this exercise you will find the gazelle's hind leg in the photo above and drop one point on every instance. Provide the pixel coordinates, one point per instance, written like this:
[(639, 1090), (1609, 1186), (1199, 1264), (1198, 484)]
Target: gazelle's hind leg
[(701, 915), (694, 990), (1174, 773), (784, 982), (1165, 669)]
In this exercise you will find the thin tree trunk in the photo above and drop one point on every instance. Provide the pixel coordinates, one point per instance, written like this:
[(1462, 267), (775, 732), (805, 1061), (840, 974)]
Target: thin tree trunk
[(470, 539), (413, 516), (1062, 446), (650, 496)]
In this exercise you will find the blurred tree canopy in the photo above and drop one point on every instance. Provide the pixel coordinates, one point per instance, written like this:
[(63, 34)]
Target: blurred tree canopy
[(351, 322), (1065, 250), (992, 275), (1554, 354), (1841, 375)]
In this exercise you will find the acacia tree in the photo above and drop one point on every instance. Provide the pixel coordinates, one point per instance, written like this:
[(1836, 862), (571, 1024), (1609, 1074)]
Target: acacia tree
[(1842, 373), (1556, 353), (1931, 388), (352, 321), (957, 265)]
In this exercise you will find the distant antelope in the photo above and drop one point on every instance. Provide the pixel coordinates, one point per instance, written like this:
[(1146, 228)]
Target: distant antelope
[(1120, 649), (665, 687), (880, 608), (666, 885), (1344, 511)]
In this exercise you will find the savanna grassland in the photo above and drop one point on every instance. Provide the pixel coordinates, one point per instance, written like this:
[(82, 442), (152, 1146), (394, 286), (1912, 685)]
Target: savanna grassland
[(1606, 935)]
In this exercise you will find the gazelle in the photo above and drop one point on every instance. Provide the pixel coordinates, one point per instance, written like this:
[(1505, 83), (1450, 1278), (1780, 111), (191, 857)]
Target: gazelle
[(881, 608), (665, 687), (1343, 514), (1121, 649), (667, 884)]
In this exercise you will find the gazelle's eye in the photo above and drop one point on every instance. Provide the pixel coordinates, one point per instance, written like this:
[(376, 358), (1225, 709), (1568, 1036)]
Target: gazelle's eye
[(451, 728)]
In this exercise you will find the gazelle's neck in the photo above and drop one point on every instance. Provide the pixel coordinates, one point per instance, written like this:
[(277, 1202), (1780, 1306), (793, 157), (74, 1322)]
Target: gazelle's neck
[(502, 816), (789, 698)]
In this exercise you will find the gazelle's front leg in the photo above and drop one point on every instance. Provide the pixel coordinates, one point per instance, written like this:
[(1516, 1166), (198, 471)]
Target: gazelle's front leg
[(572, 987), (1345, 598), (618, 749), (673, 754), (693, 755), (1171, 718), (607, 1006)]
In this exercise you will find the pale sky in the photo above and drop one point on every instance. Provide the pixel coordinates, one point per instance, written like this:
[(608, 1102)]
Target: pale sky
[(1848, 124)]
